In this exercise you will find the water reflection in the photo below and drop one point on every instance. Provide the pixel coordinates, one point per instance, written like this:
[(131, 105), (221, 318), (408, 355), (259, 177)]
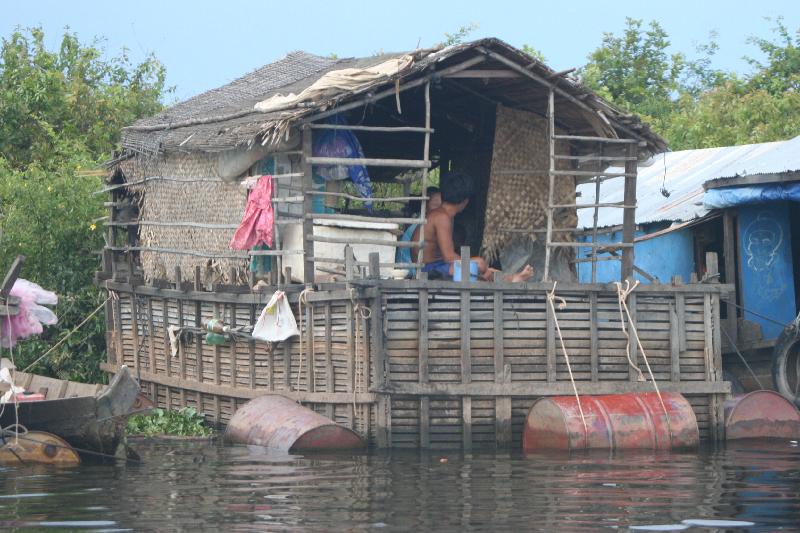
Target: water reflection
[(201, 487)]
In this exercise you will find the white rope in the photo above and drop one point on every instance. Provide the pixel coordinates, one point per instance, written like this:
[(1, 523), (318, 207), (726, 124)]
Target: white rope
[(622, 297), (360, 312), (551, 297)]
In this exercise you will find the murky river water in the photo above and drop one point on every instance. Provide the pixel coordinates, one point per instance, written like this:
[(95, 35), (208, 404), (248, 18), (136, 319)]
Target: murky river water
[(202, 487)]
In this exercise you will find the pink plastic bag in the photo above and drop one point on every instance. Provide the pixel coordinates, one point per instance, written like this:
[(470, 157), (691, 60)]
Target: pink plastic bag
[(32, 315)]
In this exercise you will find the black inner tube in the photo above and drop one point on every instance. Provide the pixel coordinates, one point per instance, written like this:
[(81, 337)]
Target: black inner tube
[(786, 364)]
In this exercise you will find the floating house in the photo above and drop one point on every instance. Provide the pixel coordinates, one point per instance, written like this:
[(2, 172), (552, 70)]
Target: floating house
[(734, 201), (403, 360)]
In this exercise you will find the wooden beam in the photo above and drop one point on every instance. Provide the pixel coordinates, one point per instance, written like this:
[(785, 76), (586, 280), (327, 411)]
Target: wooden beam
[(343, 398), (542, 388), (484, 74)]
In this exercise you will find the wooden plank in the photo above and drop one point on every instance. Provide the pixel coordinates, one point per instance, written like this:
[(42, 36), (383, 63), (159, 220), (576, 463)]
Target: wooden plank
[(135, 326), (422, 328), (217, 353), (466, 416), (370, 162), (343, 398), (251, 354), (593, 337), (674, 343), (329, 375), (503, 422), (151, 349), (497, 319), (424, 422), (709, 338), (543, 388), (550, 345), (633, 375)]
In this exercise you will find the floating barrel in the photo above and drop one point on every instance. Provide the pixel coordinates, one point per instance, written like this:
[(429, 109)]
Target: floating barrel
[(36, 447), (761, 414), (277, 422), (613, 421)]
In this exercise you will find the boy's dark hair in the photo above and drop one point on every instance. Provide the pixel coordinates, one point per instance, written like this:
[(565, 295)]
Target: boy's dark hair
[(456, 187)]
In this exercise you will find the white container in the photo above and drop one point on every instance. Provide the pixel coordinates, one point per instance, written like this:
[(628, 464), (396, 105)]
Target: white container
[(346, 230)]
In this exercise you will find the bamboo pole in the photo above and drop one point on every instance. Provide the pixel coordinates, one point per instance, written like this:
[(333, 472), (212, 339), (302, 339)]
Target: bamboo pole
[(551, 135), (426, 156)]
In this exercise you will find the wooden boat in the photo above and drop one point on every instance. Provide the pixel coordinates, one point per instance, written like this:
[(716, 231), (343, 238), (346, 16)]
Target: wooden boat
[(90, 418)]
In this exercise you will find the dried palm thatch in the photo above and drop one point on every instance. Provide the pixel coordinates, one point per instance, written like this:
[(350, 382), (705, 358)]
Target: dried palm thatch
[(193, 193), (518, 201)]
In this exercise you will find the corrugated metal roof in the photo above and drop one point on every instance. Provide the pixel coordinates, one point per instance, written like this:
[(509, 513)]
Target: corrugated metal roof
[(683, 175)]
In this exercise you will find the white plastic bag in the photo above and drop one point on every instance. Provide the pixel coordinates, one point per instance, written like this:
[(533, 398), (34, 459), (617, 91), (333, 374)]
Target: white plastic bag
[(276, 322)]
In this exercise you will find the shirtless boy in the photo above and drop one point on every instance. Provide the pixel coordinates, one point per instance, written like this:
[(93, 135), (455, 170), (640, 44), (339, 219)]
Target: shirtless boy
[(439, 252)]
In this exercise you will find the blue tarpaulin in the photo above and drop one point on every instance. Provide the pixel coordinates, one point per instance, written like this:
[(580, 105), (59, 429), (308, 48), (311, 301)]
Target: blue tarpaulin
[(751, 194)]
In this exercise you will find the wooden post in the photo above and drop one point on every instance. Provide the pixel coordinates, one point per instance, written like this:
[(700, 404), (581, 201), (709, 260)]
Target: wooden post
[(550, 341), (629, 212), (466, 347), (308, 223), (502, 406), (378, 356), (424, 185), (349, 264), (251, 347), (729, 253), (422, 348), (633, 375), (551, 141), (594, 353)]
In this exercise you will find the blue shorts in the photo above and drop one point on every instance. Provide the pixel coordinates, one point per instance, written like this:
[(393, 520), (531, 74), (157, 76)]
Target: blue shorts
[(441, 266)]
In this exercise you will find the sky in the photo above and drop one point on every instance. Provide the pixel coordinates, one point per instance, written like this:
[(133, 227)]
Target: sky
[(205, 44)]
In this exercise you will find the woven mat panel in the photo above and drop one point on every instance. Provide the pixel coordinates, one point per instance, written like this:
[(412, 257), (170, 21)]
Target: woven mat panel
[(519, 201), (202, 198)]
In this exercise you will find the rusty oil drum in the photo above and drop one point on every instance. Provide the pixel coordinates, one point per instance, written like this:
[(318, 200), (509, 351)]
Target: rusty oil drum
[(614, 421), (277, 422), (761, 414)]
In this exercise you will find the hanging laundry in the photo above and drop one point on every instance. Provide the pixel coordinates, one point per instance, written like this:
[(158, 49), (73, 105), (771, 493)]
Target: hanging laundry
[(259, 217), (32, 315), (344, 144)]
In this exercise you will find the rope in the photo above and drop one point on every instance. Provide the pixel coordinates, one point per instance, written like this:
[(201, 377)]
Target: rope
[(76, 328), (622, 297), (360, 313), (303, 299), (551, 298), (736, 348)]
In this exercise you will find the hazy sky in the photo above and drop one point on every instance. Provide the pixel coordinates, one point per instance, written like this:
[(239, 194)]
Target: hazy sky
[(206, 43)]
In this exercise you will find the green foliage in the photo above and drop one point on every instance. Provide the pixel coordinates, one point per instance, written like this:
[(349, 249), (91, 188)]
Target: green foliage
[(534, 53), (460, 34), (185, 422), (687, 101), (60, 114)]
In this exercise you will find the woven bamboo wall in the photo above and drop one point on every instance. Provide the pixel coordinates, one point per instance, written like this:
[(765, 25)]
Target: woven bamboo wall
[(202, 197), (519, 201)]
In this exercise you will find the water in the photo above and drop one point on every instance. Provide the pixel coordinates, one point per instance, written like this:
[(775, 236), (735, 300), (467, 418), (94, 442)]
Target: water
[(207, 487)]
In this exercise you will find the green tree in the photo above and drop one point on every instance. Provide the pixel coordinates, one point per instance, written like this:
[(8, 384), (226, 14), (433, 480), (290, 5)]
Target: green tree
[(460, 35), (689, 102), (61, 112)]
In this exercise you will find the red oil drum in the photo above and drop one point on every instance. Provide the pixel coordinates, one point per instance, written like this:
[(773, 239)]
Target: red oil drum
[(277, 422), (761, 414), (613, 421)]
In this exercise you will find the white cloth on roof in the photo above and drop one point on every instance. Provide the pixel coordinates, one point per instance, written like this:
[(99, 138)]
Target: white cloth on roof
[(336, 81)]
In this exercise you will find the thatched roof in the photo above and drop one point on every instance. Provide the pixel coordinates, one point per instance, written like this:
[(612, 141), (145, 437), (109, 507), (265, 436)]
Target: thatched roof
[(224, 118)]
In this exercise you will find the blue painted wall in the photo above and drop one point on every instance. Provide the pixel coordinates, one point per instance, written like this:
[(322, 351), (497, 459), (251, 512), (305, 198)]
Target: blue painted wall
[(669, 255), (766, 265)]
